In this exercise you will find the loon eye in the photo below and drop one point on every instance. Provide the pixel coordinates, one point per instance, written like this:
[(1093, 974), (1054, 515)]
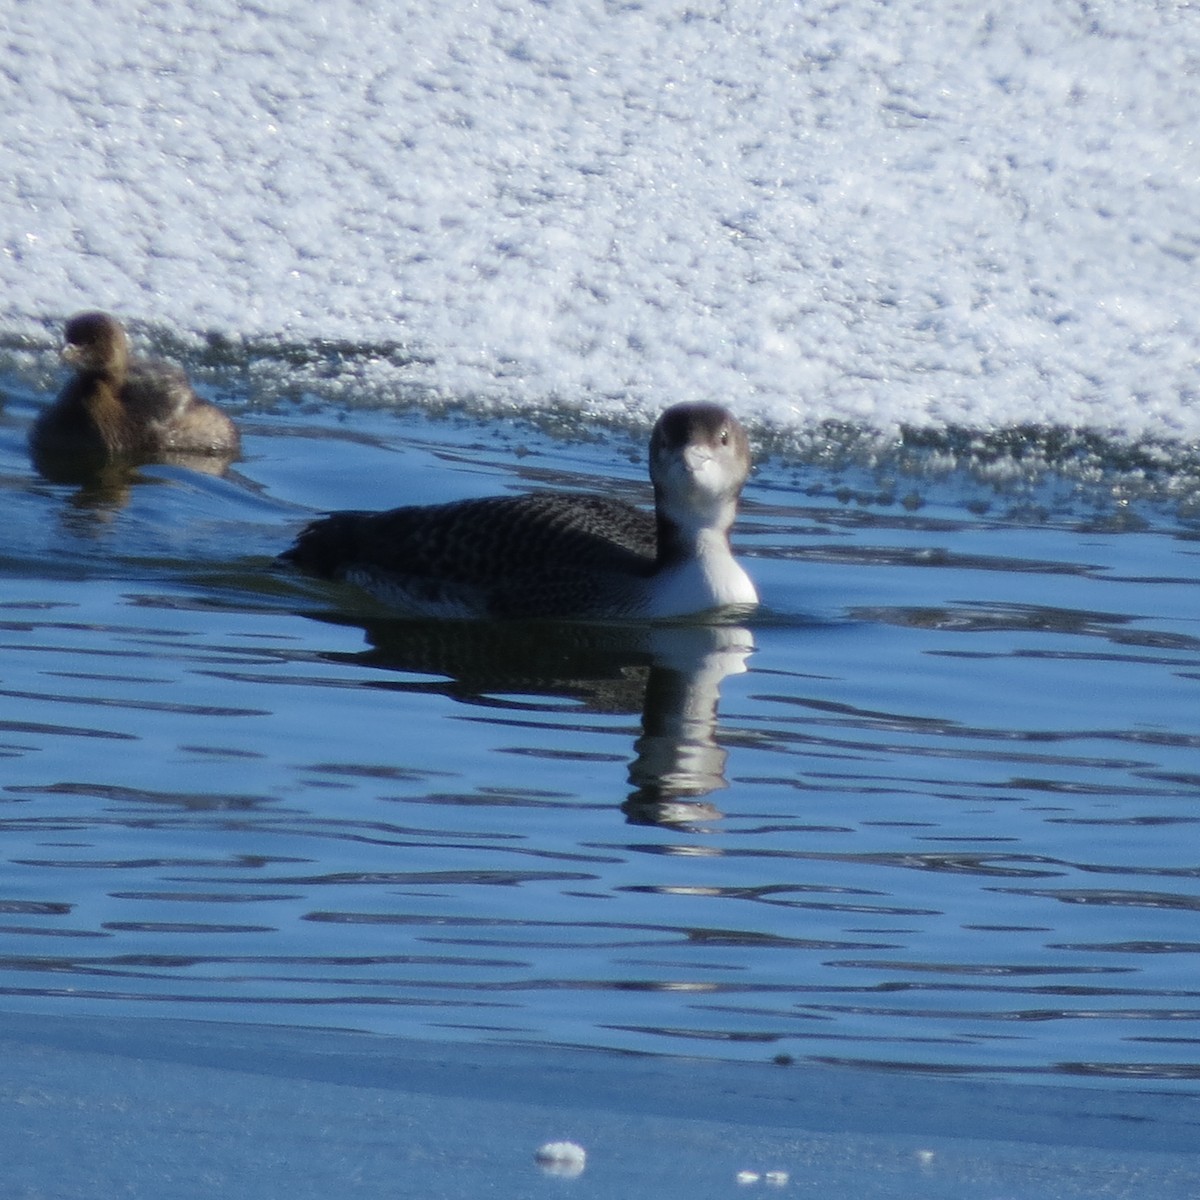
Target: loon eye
[(725, 437)]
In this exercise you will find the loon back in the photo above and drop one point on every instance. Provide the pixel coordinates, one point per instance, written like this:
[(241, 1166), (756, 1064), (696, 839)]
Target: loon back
[(502, 556)]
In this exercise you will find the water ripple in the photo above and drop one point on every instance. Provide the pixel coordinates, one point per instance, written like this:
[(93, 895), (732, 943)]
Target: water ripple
[(868, 826)]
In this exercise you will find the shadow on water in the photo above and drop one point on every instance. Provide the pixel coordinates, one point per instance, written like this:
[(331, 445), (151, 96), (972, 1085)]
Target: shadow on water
[(670, 674)]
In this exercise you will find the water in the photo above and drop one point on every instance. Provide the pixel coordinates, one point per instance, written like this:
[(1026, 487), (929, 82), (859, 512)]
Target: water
[(934, 807)]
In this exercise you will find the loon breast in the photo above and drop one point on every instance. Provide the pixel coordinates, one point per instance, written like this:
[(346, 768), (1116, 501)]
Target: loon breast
[(560, 554)]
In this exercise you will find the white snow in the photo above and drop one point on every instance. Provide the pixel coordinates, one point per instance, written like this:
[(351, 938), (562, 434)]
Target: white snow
[(564, 1159), (930, 212)]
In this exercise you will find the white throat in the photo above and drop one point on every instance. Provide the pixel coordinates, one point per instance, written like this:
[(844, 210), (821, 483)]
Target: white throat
[(708, 578)]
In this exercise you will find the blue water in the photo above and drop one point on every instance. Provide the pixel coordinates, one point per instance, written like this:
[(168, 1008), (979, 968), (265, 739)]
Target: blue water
[(933, 808)]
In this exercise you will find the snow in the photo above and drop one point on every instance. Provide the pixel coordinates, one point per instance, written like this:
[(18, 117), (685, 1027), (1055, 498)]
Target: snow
[(928, 213)]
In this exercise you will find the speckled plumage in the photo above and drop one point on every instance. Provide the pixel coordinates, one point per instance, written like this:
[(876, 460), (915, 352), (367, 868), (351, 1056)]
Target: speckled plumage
[(117, 407), (557, 553)]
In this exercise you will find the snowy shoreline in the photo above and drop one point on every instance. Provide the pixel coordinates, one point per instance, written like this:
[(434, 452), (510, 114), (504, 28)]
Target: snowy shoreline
[(881, 217)]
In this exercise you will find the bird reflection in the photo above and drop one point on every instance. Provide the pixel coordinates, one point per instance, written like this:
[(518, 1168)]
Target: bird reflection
[(678, 757), (108, 487), (670, 674)]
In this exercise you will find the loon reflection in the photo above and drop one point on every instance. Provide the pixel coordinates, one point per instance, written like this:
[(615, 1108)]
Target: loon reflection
[(679, 759), (670, 674)]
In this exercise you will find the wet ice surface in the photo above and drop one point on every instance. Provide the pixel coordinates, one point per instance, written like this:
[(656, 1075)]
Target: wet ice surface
[(293, 1113)]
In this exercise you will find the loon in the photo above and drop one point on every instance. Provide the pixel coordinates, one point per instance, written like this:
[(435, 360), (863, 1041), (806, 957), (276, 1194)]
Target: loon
[(121, 408), (558, 554)]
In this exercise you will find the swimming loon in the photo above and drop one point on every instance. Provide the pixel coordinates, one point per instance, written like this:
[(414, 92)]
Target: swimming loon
[(557, 554), (118, 407)]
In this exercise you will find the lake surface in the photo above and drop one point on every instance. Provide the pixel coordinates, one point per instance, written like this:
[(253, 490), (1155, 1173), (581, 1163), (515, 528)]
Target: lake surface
[(935, 807)]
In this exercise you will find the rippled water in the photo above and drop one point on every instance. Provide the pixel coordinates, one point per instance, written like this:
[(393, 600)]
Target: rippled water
[(935, 806)]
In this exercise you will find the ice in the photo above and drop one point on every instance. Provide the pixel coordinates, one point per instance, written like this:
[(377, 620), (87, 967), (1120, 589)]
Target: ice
[(144, 1108), (881, 214)]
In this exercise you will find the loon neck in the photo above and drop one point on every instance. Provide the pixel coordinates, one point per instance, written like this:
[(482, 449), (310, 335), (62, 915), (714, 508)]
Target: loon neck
[(695, 570), (680, 542)]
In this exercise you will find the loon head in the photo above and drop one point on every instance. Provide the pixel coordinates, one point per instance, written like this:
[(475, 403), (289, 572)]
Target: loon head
[(699, 462)]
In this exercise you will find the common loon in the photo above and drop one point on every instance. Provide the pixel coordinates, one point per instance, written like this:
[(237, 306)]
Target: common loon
[(120, 408), (558, 554)]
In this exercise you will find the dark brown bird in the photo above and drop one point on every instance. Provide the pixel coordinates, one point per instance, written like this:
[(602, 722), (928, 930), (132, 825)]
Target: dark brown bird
[(558, 554), (118, 408)]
